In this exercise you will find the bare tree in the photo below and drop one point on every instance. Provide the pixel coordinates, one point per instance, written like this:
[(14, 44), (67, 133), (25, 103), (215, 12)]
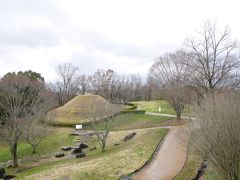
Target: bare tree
[(67, 74), (20, 99), (214, 59), (152, 89), (57, 90), (101, 82), (102, 116), (84, 83), (136, 87), (34, 131), (215, 133), (170, 73)]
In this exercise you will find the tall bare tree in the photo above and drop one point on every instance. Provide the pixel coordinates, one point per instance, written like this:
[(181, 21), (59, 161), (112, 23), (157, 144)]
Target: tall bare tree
[(170, 73), (215, 133), (68, 85), (20, 99), (214, 59), (84, 83), (101, 82)]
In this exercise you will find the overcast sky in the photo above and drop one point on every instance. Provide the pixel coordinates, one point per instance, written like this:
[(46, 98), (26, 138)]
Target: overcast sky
[(124, 35)]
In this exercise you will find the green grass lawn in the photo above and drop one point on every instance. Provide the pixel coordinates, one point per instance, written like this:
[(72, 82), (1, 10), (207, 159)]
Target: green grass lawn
[(57, 137), (135, 121), (116, 161), (191, 167), (153, 106), (60, 136)]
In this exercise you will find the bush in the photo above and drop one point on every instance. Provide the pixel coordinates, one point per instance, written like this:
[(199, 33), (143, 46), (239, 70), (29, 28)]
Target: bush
[(215, 133)]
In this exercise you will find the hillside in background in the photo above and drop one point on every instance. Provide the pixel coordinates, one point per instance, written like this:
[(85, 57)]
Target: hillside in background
[(75, 110)]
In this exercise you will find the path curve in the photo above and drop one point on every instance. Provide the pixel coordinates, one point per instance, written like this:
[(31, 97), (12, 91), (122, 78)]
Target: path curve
[(170, 158)]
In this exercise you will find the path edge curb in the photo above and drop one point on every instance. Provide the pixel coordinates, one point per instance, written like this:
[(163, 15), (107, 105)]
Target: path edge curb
[(153, 155)]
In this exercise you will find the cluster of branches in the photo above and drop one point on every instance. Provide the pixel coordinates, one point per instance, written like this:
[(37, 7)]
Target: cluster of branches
[(215, 134), (105, 83), (102, 116), (207, 66), (207, 63), (23, 102), (169, 72)]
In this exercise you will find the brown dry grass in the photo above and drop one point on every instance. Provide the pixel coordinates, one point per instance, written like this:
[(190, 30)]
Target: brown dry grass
[(118, 160), (73, 111)]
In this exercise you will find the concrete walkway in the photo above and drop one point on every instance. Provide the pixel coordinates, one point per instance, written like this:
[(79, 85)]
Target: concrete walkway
[(167, 115), (170, 158)]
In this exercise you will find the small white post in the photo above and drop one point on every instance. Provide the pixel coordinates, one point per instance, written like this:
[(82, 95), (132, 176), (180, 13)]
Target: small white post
[(159, 109)]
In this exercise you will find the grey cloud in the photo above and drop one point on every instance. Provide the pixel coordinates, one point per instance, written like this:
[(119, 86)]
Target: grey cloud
[(97, 41), (30, 23), (29, 38)]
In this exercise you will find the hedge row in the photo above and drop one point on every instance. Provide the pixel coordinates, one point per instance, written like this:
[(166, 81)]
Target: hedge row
[(132, 106), (132, 109), (68, 124), (133, 112)]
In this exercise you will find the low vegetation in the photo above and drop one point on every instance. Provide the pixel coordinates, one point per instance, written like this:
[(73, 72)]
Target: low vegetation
[(215, 133), (136, 121), (56, 138), (153, 106), (191, 167), (108, 165)]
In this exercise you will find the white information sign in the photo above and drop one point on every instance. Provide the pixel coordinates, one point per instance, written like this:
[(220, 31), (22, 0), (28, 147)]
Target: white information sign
[(79, 126)]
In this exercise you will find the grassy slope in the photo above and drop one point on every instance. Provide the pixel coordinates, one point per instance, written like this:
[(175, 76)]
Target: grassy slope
[(73, 111), (191, 167), (116, 161), (153, 106), (57, 138), (136, 121)]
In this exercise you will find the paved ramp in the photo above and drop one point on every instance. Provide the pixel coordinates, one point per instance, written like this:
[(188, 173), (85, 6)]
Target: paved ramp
[(170, 158)]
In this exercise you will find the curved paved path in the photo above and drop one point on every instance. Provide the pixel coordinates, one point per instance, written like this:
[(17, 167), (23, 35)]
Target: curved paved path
[(170, 158)]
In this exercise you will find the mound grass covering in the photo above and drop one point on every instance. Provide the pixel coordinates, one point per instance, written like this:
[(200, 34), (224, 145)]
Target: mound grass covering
[(74, 112), (116, 161)]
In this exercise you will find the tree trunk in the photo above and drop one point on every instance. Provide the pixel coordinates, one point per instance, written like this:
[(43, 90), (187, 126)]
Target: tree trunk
[(179, 116), (33, 149), (103, 146), (14, 155)]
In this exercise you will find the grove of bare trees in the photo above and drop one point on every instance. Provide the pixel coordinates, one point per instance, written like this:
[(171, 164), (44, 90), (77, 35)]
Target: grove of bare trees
[(105, 83), (21, 99)]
